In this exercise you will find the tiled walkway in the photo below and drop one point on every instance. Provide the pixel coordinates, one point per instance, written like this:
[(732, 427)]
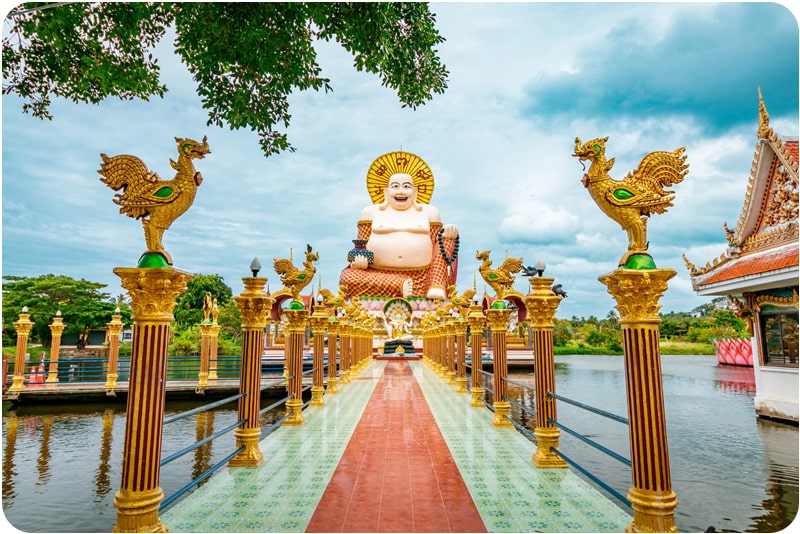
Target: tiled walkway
[(355, 469), (397, 474)]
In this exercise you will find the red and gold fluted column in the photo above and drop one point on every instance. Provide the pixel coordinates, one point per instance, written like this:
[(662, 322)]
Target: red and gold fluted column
[(23, 327), (213, 347), (57, 328), (296, 317), (254, 305), (450, 336), (542, 304), (344, 340), (206, 333), (460, 329), (318, 320), (153, 292), (114, 330), (333, 331), (497, 318), (476, 323), (637, 293)]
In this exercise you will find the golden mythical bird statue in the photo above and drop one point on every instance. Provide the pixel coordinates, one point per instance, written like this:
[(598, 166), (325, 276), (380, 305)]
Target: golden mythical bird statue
[(461, 303), (631, 201), (145, 196), (501, 279), (294, 280)]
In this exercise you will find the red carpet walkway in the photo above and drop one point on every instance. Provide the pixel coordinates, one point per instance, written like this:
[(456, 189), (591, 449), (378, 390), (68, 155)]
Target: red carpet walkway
[(396, 474)]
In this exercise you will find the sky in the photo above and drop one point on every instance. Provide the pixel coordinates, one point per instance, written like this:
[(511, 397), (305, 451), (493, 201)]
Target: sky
[(526, 79)]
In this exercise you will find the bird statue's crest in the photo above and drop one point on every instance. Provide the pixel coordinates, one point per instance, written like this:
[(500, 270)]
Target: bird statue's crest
[(502, 278), (155, 201), (294, 279), (632, 200), (463, 302)]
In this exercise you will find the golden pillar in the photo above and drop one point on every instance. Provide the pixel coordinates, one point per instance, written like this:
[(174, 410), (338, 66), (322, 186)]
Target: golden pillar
[(460, 329), (476, 321), (206, 333), (637, 292), (56, 329), (498, 322), (23, 327), (333, 330), (293, 333), (318, 320), (254, 305), (542, 304), (450, 336), (153, 292), (114, 330), (214, 347), (344, 340)]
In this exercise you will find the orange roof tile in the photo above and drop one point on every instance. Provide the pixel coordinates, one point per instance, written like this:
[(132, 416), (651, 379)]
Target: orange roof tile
[(791, 148), (748, 266)]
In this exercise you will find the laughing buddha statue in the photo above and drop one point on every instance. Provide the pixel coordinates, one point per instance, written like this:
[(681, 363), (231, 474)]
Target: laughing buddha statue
[(402, 249)]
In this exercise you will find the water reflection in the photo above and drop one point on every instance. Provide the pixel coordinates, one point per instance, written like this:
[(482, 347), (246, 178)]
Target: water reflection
[(61, 465)]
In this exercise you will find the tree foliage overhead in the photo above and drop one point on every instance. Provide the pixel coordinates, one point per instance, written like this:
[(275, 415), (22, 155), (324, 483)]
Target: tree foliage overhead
[(246, 58)]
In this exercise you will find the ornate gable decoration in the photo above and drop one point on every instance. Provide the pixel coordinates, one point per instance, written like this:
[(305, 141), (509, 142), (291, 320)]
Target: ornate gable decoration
[(769, 216)]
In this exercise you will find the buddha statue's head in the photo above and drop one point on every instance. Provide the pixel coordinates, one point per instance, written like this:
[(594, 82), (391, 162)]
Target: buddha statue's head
[(400, 193)]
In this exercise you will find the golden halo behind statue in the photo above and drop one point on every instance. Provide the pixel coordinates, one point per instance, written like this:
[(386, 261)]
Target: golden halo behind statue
[(399, 162)]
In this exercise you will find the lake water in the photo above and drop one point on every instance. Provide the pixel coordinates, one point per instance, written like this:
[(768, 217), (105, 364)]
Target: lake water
[(730, 470)]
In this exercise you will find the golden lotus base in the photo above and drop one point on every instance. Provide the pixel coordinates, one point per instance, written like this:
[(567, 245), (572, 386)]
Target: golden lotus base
[(295, 409), (652, 511), (502, 410), (111, 381), (451, 378), (251, 456), (547, 438), (477, 397), (137, 511), (333, 388), (316, 396), (461, 385), (202, 380)]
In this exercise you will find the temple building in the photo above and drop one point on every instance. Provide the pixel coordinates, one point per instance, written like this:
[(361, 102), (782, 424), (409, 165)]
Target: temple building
[(758, 271)]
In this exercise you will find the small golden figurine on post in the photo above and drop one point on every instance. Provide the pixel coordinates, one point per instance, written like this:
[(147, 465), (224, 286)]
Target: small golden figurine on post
[(637, 285)]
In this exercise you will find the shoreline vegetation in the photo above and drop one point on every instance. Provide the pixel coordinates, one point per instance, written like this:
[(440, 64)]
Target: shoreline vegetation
[(667, 347)]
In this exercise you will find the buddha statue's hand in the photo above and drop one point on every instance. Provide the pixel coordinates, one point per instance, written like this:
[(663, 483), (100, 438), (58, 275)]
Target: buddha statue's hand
[(449, 231), (359, 262), (435, 293)]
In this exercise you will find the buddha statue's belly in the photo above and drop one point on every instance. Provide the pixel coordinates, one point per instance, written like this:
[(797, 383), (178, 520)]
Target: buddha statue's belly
[(400, 249)]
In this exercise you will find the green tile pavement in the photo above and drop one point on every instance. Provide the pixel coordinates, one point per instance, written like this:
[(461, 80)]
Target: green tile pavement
[(282, 493), (510, 493)]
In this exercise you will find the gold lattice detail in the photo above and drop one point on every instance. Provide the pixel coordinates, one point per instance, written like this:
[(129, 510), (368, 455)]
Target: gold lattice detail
[(396, 163)]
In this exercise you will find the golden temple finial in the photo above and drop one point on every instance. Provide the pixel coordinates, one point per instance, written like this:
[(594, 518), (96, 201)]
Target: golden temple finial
[(764, 130), (631, 201), (147, 197)]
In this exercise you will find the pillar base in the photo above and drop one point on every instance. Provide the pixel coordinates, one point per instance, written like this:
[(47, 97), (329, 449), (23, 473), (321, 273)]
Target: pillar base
[(212, 375), (451, 378), (52, 378), (111, 381), (344, 377), (477, 397), (316, 396), (294, 408), (17, 384), (202, 380), (251, 456), (543, 457), (332, 386), (501, 410), (652, 511), (137, 511), (461, 385)]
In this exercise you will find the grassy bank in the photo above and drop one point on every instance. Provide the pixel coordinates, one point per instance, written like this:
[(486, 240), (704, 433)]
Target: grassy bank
[(667, 347)]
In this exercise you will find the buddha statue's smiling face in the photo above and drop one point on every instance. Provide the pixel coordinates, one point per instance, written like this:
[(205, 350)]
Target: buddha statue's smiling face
[(401, 193)]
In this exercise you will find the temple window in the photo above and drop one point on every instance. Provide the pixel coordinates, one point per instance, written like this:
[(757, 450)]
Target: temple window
[(780, 342)]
